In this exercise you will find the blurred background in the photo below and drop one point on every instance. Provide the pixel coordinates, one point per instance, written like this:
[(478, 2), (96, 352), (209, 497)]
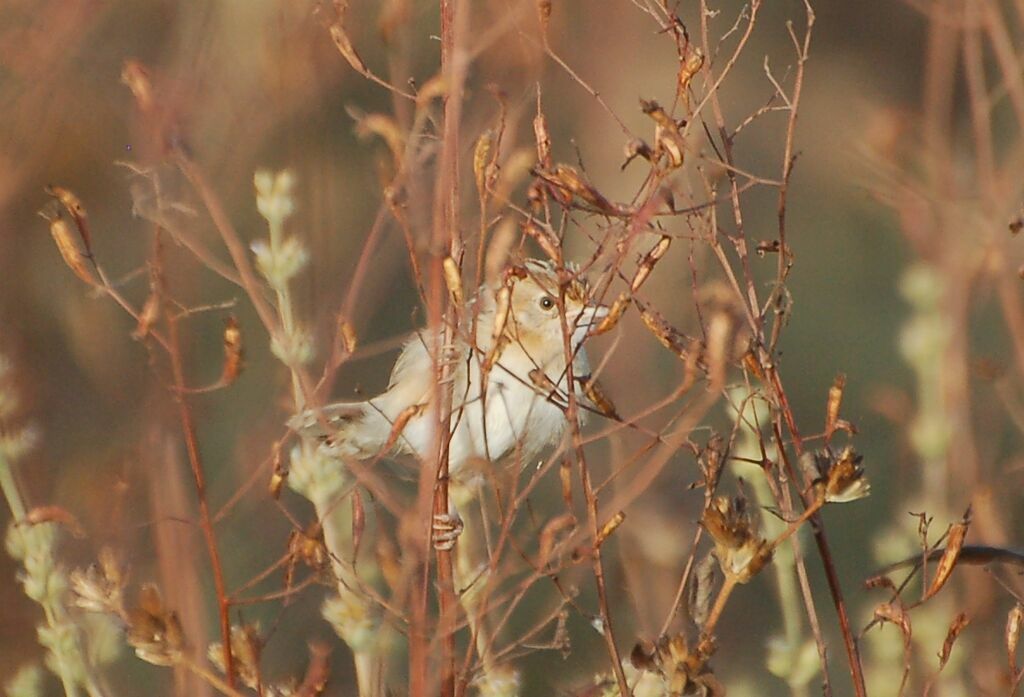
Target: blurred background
[(259, 83)]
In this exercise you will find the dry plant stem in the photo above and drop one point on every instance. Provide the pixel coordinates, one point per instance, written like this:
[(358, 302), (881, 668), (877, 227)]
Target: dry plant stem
[(789, 159), (205, 524), (801, 566), (572, 414), (454, 17), (817, 525)]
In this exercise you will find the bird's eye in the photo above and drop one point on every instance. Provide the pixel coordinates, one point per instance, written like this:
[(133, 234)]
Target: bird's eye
[(546, 302)]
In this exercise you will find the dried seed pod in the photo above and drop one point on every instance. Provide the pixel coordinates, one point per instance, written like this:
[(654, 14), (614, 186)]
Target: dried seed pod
[(544, 16), (344, 45), (835, 401), (604, 405), (502, 305), (636, 148), (615, 313), (1014, 621), (498, 250), (752, 364), (73, 205), (608, 528), (958, 625), (648, 262), (147, 316), (543, 138), (279, 475), (453, 279), (544, 240), (565, 475), (667, 138), (233, 351), (954, 543), (68, 247), (483, 158), (136, 77), (542, 382), (434, 88), (568, 181), (347, 335), (689, 68), (385, 128), (548, 536), (716, 354), (672, 339)]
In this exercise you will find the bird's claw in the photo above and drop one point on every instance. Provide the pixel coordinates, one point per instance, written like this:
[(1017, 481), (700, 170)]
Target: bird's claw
[(445, 529)]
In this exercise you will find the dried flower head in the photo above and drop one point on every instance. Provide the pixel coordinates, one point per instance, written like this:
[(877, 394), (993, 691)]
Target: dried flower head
[(246, 645), (839, 477), (683, 669), (153, 630), (739, 548)]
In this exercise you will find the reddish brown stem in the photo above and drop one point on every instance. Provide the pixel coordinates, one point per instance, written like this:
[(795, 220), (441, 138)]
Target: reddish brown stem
[(821, 540), (191, 445)]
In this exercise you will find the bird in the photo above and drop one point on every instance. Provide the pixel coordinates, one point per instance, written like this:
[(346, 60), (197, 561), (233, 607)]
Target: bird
[(507, 372)]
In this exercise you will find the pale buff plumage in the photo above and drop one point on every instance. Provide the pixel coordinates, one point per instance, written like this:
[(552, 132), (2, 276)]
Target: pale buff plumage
[(523, 409)]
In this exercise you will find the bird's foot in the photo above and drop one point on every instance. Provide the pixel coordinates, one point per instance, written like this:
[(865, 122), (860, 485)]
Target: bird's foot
[(445, 529)]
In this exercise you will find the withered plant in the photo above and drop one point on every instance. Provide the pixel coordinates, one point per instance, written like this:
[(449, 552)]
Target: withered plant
[(623, 549)]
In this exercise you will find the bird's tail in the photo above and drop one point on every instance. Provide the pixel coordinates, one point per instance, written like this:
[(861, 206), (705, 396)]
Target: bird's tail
[(345, 429)]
